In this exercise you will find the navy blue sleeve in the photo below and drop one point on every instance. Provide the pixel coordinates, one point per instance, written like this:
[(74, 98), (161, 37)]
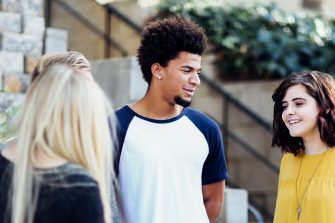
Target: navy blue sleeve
[(214, 168), (123, 116)]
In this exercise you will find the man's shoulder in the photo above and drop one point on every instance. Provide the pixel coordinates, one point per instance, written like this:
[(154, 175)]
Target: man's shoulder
[(121, 110), (124, 113), (192, 112), (200, 118)]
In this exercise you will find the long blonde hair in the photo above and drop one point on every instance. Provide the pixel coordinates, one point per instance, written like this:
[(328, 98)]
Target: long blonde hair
[(72, 58), (64, 116)]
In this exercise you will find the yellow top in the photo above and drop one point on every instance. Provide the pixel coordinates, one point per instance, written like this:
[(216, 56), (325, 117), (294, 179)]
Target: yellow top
[(318, 203)]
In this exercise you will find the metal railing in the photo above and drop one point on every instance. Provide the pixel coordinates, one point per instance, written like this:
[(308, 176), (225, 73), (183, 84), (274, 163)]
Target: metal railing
[(104, 34), (123, 17), (255, 117), (228, 133), (229, 99)]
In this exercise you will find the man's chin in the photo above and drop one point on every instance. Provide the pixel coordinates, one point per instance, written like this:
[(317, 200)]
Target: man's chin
[(180, 101)]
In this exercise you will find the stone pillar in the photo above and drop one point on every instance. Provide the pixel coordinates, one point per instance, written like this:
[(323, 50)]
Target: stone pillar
[(11, 62), (10, 21), (34, 25), (29, 45), (120, 78), (22, 36), (235, 208), (55, 40)]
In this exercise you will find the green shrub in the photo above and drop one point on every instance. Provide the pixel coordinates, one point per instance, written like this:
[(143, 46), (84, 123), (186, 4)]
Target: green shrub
[(6, 118), (261, 41)]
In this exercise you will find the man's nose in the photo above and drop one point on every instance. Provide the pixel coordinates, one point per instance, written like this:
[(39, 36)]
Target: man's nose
[(195, 79)]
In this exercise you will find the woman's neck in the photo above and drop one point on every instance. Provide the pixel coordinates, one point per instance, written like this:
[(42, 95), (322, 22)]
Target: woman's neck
[(313, 147)]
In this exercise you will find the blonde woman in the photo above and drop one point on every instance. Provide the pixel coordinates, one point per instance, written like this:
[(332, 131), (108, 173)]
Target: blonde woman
[(62, 167), (76, 60)]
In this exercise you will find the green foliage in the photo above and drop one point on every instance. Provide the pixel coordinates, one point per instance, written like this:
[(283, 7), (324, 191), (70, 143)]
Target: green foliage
[(261, 41), (5, 121)]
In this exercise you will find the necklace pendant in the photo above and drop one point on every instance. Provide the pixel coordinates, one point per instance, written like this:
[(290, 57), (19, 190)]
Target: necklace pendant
[(299, 211)]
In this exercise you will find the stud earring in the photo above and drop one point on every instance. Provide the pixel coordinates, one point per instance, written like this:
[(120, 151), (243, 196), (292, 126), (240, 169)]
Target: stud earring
[(159, 76)]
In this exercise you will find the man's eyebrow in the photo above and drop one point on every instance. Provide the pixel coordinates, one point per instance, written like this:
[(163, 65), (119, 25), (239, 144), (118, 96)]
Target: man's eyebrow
[(187, 66), (190, 67)]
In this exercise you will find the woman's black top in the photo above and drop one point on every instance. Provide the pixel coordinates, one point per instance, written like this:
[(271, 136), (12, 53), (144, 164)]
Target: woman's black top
[(68, 194)]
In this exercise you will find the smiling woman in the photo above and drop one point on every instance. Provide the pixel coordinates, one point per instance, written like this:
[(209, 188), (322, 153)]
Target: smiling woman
[(304, 127), (300, 113)]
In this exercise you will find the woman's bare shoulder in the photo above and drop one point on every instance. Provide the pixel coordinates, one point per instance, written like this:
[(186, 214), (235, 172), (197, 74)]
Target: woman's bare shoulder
[(8, 151)]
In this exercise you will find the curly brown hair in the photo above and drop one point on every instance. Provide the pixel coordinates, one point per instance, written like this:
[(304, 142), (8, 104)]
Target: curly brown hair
[(163, 39), (321, 86)]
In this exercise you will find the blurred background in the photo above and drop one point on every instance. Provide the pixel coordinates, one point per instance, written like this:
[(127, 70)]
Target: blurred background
[(253, 45)]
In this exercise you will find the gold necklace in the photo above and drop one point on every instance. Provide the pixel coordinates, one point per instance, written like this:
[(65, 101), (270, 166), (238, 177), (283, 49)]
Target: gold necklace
[(299, 209)]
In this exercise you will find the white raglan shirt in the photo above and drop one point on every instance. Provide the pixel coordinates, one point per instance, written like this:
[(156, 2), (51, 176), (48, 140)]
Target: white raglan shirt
[(163, 164)]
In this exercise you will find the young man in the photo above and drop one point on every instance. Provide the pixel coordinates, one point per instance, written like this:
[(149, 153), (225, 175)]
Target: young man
[(171, 166)]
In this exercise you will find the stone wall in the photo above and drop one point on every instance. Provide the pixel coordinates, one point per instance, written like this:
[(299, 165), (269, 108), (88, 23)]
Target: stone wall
[(23, 39), (120, 78)]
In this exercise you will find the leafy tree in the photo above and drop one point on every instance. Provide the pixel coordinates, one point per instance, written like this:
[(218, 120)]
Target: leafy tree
[(261, 41)]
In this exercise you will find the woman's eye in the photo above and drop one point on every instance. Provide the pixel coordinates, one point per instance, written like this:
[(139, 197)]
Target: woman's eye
[(299, 104), (284, 106)]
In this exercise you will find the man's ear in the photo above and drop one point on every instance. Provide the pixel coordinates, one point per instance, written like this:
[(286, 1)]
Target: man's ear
[(156, 70)]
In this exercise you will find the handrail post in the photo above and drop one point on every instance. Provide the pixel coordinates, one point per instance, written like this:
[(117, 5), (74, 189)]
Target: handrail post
[(225, 111), (47, 12), (107, 32)]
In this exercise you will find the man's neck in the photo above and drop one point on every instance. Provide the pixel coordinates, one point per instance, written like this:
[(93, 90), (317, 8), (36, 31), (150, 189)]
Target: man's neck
[(154, 108)]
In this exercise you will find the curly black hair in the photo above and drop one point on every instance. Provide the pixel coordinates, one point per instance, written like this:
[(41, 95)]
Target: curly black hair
[(321, 86), (163, 39)]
